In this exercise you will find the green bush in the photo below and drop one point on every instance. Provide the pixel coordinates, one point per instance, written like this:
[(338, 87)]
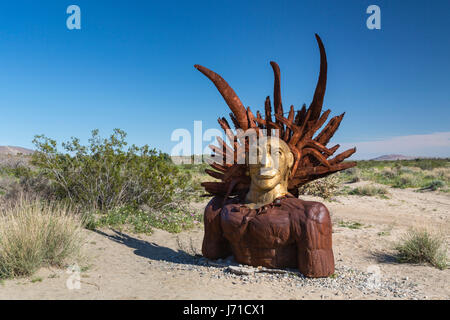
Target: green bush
[(435, 185), (406, 180), (421, 246), (105, 175)]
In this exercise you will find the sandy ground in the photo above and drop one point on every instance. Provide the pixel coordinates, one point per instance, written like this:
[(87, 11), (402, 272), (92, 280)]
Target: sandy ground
[(164, 266)]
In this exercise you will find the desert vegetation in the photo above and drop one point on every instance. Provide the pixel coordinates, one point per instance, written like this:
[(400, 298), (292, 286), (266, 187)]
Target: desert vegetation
[(107, 182), (47, 198), (34, 234), (421, 175), (422, 246)]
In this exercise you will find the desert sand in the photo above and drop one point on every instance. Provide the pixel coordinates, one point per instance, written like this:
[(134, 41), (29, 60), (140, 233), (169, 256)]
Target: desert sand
[(168, 266)]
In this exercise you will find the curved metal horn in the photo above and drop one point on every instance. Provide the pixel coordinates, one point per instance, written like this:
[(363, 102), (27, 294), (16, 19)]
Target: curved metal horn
[(316, 104), (276, 89), (228, 94)]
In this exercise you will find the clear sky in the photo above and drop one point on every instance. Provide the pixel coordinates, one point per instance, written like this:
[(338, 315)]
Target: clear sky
[(131, 67)]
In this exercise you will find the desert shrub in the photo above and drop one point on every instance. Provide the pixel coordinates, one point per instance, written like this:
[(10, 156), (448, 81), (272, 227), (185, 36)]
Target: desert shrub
[(29, 185), (368, 190), (12, 164), (388, 173), (417, 173), (6, 184), (426, 165), (441, 174), (324, 187), (435, 185), (34, 235), (194, 167), (105, 175), (350, 175), (420, 246), (406, 181), (406, 170)]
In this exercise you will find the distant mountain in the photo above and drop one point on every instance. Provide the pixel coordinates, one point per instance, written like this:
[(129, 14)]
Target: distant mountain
[(14, 150), (388, 157)]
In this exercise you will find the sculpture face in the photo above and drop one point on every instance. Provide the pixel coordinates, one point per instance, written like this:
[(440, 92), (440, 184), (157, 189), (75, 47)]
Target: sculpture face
[(271, 165)]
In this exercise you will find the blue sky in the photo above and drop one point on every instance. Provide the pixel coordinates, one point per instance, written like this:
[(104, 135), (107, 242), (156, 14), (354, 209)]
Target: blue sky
[(131, 67)]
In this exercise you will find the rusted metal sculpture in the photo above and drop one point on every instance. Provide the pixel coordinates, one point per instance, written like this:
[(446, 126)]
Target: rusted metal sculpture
[(255, 214)]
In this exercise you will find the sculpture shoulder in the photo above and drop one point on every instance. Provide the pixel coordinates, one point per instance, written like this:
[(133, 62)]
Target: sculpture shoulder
[(214, 204), (317, 211), (212, 209), (313, 210)]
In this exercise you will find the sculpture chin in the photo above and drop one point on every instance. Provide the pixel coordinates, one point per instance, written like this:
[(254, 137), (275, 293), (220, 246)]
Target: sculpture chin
[(266, 183)]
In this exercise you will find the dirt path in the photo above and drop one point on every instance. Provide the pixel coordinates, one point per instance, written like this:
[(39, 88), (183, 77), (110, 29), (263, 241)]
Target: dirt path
[(164, 266)]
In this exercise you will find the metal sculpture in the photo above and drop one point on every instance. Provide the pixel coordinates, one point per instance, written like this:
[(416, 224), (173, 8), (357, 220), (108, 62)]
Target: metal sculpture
[(255, 214)]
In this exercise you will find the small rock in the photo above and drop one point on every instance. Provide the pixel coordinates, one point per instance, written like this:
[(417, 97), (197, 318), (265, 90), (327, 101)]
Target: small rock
[(241, 270)]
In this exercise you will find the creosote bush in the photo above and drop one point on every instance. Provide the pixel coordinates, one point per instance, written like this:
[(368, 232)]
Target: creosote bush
[(110, 182), (35, 235), (419, 246), (105, 175)]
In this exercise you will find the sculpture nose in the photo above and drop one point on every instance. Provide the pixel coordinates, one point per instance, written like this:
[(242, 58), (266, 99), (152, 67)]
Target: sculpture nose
[(266, 160)]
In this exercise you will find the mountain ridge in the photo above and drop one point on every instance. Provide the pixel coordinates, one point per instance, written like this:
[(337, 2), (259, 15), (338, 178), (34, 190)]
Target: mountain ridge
[(13, 150), (387, 157)]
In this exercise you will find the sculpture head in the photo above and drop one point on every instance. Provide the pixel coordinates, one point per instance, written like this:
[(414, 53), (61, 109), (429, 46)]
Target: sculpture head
[(271, 165), (304, 153)]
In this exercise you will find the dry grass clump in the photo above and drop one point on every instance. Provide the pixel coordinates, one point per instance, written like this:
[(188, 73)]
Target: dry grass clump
[(34, 235), (388, 173), (369, 190), (419, 246), (350, 175), (441, 174)]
